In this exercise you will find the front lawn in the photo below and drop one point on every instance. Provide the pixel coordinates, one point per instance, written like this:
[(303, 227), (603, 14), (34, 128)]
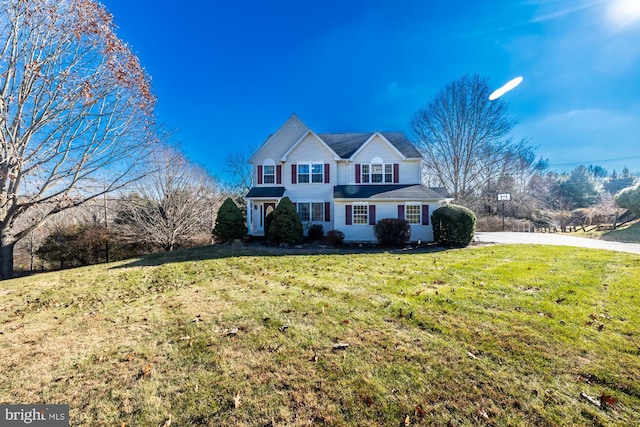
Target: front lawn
[(227, 335)]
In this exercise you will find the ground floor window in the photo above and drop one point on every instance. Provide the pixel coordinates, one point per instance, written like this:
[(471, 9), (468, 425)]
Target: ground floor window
[(311, 211), (413, 214), (361, 214)]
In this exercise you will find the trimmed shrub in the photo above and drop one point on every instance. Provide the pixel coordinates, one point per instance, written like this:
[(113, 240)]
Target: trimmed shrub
[(230, 223), (392, 231), (453, 225), (315, 232), (335, 237), (284, 226)]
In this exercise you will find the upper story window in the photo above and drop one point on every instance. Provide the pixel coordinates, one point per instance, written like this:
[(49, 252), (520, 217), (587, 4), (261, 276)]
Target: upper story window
[(269, 174), (377, 172), (310, 173)]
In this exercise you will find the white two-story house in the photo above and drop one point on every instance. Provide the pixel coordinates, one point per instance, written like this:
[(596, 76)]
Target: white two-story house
[(344, 181)]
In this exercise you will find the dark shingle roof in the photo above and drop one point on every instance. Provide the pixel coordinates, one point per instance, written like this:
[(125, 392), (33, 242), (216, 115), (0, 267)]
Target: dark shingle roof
[(264, 192), (404, 192), (345, 144)]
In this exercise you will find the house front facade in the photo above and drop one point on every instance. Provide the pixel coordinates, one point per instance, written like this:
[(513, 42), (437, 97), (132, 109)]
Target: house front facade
[(343, 181)]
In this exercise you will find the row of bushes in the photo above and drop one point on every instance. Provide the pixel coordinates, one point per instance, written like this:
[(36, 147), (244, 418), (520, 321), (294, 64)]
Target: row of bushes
[(453, 225)]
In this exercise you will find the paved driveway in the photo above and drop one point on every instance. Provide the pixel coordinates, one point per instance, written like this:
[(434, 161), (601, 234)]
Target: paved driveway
[(555, 239)]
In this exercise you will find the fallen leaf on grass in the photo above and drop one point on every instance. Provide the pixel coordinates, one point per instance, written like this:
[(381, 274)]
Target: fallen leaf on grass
[(419, 411), (236, 401), (607, 400), (144, 372), (167, 423)]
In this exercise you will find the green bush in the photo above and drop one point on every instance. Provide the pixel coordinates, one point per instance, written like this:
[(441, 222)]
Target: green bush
[(283, 225), (75, 244), (629, 198), (230, 223), (453, 225), (392, 231), (315, 232), (335, 237)]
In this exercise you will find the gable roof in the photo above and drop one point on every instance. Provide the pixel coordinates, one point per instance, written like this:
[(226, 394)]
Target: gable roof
[(306, 134), (396, 191), (347, 144), (293, 125)]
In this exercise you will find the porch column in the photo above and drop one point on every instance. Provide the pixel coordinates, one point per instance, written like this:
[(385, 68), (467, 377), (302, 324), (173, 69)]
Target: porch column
[(249, 217)]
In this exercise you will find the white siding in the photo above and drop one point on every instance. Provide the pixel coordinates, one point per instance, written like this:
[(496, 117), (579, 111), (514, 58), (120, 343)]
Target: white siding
[(409, 171), (386, 209), (280, 142), (311, 150)]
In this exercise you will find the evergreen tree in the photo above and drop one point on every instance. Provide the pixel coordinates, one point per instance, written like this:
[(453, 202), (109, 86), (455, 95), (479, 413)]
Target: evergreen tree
[(285, 225), (229, 222)]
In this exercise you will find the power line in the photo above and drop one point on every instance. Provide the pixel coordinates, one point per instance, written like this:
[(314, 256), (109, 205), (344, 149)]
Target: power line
[(596, 161)]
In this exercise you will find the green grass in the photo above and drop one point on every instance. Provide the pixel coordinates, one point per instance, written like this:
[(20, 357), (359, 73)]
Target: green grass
[(630, 234), (223, 335)]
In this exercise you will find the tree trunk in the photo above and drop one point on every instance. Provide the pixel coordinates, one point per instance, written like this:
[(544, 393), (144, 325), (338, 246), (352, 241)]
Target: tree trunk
[(6, 260)]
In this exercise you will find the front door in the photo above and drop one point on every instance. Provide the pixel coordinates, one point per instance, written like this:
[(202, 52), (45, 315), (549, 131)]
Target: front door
[(268, 208), (260, 212)]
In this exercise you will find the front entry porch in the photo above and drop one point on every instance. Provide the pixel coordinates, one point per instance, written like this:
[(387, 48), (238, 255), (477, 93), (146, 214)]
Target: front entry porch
[(257, 211)]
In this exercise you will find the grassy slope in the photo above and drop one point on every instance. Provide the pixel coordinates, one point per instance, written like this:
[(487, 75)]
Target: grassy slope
[(629, 234), (503, 335)]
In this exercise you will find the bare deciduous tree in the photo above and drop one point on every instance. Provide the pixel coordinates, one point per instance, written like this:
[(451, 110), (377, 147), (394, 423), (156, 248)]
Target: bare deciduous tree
[(171, 207), (465, 138), (76, 112), (239, 170)]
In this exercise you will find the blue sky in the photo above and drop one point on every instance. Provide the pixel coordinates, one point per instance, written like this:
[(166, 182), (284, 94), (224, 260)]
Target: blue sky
[(228, 74)]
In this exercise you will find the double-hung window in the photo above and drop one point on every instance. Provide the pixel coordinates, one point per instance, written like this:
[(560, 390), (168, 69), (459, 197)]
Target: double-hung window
[(376, 173), (303, 173), (366, 171), (311, 211), (317, 172), (361, 214), (413, 213), (269, 174), (310, 173)]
